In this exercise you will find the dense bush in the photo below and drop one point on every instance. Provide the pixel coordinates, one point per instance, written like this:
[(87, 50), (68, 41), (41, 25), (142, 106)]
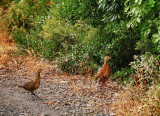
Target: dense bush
[(73, 10), (147, 79), (78, 61), (58, 30), (60, 34), (5, 3), (76, 58), (146, 69), (144, 15), (24, 13), (119, 43), (74, 30), (25, 18), (123, 76)]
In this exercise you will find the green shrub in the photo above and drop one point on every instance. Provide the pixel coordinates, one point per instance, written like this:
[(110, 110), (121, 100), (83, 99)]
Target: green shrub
[(97, 43), (23, 13), (54, 30), (117, 42), (78, 61), (5, 3), (146, 70), (29, 40), (73, 10), (123, 76), (147, 91), (25, 19), (77, 57), (60, 34)]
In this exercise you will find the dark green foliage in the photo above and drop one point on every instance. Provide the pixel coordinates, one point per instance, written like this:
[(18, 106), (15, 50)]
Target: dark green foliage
[(124, 76), (118, 43), (112, 9), (144, 15), (73, 10)]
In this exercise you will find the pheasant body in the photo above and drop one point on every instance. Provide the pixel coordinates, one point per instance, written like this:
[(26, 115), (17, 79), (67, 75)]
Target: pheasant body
[(32, 85), (104, 73)]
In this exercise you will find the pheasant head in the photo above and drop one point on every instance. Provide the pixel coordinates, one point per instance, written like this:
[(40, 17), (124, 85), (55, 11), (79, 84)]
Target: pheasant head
[(38, 73), (106, 58)]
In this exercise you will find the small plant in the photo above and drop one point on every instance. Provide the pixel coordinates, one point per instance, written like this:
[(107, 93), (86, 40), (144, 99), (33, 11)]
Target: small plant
[(147, 72), (61, 35), (147, 80), (78, 61), (123, 76)]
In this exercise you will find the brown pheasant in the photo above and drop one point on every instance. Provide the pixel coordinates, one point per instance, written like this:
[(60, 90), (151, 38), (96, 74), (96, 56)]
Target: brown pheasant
[(104, 73), (31, 86)]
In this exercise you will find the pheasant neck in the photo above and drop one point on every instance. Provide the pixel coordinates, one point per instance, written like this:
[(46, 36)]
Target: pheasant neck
[(37, 76), (107, 65)]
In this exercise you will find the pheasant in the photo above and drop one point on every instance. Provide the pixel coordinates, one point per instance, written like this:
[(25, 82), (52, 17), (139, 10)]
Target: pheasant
[(31, 86), (104, 73)]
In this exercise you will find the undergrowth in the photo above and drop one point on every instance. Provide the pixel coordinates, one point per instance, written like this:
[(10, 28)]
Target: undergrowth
[(41, 26), (147, 81)]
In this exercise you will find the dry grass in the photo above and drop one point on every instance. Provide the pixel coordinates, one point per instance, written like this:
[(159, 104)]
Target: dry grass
[(130, 103), (125, 105), (6, 46)]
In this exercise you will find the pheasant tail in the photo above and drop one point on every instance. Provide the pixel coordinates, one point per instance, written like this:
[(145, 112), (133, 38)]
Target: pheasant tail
[(98, 74), (20, 86)]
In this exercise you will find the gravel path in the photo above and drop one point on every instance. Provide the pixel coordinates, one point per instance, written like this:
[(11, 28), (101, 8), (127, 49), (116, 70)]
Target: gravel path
[(15, 101), (59, 95)]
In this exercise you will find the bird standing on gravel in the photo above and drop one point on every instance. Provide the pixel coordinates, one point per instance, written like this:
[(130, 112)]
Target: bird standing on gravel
[(32, 85), (104, 73)]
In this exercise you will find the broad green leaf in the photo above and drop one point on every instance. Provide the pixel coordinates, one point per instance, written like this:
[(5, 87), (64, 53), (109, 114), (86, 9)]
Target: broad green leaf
[(139, 1), (139, 9), (132, 10), (136, 1), (126, 2), (155, 35), (126, 9), (158, 27), (128, 24), (158, 3), (156, 40), (138, 19)]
